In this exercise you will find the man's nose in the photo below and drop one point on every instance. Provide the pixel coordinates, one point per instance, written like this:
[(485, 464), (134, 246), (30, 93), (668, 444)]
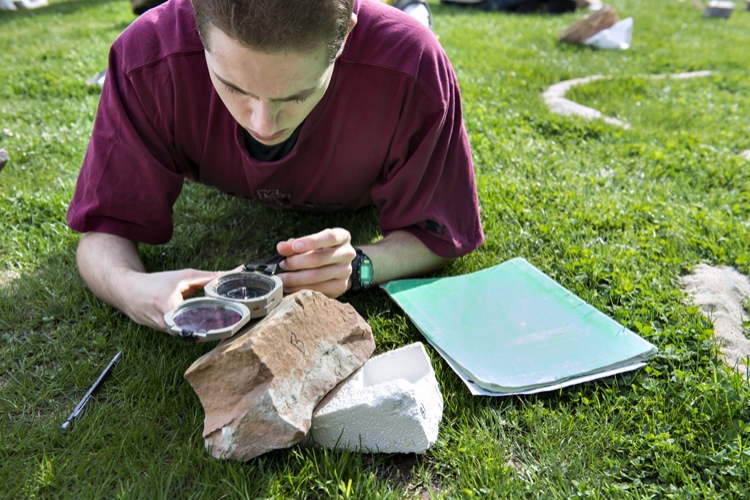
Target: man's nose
[(263, 118)]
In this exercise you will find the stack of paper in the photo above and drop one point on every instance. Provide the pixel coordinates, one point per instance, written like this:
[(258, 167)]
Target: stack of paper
[(511, 329)]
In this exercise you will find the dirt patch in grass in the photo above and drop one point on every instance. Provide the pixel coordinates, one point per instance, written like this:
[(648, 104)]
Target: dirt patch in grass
[(399, 471), (721, 293), (7, 277)]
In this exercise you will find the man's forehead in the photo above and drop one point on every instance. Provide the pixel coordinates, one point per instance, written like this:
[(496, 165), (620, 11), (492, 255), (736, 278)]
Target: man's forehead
[(218, 41), (252, 71)]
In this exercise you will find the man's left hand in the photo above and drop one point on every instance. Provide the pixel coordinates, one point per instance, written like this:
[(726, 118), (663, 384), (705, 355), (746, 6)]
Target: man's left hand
[(321, 261)]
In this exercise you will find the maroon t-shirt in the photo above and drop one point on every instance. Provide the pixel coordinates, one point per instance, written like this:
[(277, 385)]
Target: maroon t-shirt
[(388, 132)]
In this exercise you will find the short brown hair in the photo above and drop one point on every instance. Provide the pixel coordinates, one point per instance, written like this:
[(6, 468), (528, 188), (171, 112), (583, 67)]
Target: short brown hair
[(277, 25)]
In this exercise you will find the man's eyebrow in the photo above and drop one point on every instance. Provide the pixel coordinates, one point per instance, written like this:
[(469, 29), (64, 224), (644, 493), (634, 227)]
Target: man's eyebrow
[(303, 94)]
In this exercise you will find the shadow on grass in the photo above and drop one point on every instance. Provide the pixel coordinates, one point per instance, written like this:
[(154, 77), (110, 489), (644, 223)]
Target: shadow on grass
[(55, 334), (70, 7), (218, 231), (55, 337)]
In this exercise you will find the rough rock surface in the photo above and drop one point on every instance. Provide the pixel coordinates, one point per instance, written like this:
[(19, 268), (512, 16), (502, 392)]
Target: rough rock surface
[(260, 387), (391, 405), (721, 294)]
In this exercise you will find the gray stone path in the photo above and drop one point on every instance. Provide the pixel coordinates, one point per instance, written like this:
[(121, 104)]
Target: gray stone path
[(555, 99), (721, 293)]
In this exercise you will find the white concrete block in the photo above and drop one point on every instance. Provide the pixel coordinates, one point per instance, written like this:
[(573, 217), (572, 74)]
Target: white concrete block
[(390, 405)]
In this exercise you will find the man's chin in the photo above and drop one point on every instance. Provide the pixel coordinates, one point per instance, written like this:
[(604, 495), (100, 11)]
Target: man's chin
[(273, 140)]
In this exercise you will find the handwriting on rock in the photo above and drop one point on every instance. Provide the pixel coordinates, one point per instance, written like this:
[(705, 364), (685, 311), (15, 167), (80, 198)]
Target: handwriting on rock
[(298, 344)]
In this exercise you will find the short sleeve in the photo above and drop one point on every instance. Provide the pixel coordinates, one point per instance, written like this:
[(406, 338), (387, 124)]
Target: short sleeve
[(429, 189), (128, 182)]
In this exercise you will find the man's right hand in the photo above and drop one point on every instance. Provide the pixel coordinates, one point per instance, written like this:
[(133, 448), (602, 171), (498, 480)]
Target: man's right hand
[(112, 269), (147, 297)]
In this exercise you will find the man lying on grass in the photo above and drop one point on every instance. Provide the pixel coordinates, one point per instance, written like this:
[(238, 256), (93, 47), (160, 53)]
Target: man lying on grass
[(310, 105)]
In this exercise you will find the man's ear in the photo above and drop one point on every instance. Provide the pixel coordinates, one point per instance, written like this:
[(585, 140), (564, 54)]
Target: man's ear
[(352, 24)]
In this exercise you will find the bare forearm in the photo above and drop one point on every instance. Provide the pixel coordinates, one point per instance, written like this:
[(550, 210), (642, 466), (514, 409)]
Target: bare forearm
[(401, 255), (106, 262), (113, 270)]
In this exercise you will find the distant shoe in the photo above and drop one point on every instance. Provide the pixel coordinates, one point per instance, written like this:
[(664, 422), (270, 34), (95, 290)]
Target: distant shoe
[(420, 11), (97, 79), (3, 158), (141, 6), (488, 5), (521, 6), (7, 5), (417, 9)]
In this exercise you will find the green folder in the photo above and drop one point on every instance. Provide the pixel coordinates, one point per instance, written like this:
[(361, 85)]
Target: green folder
[(510, 329)]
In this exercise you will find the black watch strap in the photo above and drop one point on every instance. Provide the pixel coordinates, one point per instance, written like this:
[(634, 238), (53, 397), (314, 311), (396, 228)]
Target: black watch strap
[(361, 273)]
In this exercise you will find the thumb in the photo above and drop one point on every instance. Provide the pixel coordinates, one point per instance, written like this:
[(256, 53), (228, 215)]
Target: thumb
[(196, 277), (193, 280)]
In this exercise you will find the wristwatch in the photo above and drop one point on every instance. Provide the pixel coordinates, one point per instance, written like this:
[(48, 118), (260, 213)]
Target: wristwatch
[(361, 273)]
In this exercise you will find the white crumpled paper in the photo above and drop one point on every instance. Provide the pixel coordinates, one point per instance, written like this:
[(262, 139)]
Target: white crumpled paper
[(617, 36)]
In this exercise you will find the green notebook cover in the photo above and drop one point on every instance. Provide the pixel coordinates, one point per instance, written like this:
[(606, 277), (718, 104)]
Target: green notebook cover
[(511, 328)]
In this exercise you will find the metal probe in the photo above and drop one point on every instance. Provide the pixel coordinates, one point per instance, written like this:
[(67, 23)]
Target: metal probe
[(81, 404)]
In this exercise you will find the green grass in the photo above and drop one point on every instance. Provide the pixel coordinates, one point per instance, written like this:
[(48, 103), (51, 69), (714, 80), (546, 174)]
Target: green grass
[(614, 215)]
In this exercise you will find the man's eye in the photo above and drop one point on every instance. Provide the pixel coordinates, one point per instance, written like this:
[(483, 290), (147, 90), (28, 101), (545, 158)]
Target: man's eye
[(303, 99), (231, 89)]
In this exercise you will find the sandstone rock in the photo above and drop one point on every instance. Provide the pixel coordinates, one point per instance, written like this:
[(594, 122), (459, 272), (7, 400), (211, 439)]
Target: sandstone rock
[(260, 387), (390, 405), (591, 24), (3, 158)]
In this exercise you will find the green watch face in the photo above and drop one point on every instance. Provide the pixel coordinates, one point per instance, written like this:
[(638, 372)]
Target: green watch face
[(365, 273)]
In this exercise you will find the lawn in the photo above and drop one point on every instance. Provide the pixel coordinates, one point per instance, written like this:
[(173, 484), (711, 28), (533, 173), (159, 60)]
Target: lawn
[(614, 215)]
